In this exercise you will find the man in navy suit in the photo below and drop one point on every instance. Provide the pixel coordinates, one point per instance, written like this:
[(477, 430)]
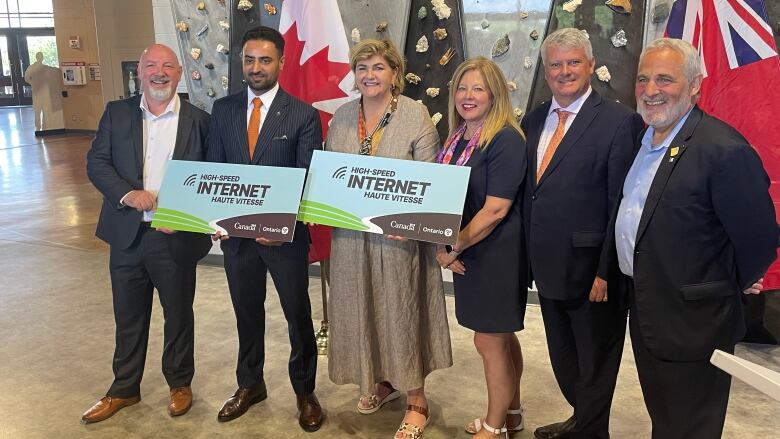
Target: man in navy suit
[(263, 125), (579, 148), (694, 228), (135, 140)]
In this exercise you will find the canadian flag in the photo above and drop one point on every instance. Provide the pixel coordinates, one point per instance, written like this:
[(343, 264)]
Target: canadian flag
[(316, 71), (316, 56)]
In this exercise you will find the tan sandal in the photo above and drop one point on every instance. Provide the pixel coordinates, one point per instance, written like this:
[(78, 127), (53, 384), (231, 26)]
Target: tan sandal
[(474, 426), (372, 403), (411, 431)]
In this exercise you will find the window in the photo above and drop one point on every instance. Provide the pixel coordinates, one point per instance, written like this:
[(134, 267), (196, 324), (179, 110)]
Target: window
[(26, 13)]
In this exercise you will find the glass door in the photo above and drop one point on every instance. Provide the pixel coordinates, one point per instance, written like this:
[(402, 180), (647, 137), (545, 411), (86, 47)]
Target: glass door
[(7, 89), (18, 50), (31, 43)]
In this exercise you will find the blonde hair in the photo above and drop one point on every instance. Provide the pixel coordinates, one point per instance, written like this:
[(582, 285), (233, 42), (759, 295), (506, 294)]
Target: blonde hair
[(500, 114), (369, 47)]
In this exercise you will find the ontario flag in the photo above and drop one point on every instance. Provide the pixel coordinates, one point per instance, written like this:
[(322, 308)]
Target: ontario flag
[(316, 71), (740, 64)]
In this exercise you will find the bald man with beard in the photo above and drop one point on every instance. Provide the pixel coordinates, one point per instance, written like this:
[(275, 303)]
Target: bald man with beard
[(135, 140)]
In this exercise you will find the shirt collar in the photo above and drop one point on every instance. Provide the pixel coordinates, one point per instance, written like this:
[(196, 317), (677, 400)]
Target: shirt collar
[(647, 139), (267, 97), (172, 107), (574, 107)]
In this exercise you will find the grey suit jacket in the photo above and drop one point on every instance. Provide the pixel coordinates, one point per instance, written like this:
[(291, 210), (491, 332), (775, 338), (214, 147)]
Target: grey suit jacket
[(115, 167)]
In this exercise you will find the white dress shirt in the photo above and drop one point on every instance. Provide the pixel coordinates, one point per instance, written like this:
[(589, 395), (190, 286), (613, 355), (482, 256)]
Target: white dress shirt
[(267, 98), (551, 123), (159, 142)]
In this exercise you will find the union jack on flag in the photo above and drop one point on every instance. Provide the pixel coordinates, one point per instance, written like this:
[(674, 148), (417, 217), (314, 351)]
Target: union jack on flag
[(740, 67)]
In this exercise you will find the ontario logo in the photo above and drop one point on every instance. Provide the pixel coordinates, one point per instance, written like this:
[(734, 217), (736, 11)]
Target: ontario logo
[(340, 173), (190, 181)]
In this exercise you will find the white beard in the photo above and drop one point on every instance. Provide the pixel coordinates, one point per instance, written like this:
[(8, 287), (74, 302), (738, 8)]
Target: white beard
[(161, 94)]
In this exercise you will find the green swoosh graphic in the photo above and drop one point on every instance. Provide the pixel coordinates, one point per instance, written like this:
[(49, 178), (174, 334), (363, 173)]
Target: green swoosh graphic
[(185, 227), (330, 221), (182, 215), (324, 214), (317, 213), (322, 207)]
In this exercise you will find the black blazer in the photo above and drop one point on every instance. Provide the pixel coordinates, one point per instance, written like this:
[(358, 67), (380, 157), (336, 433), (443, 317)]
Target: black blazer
[(291, 132), (115, 167), (707, 232), (566, 215)]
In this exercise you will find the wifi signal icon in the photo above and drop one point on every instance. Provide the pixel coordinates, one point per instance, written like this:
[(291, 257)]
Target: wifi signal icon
[(340, 173), (190, 181)]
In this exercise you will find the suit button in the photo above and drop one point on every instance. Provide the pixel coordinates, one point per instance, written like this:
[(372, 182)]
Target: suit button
[(533, 197)]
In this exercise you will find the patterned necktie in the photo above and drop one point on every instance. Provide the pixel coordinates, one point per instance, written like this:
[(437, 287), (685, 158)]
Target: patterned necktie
[(560, 130), (253, 130)]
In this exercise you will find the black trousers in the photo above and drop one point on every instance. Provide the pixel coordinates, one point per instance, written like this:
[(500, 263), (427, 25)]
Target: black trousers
[(585, 342), (246, 273), (684, 399), (135, 273)]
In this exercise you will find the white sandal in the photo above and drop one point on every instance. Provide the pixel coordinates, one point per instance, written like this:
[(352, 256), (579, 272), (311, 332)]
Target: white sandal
[(494, 430), (476, 425)]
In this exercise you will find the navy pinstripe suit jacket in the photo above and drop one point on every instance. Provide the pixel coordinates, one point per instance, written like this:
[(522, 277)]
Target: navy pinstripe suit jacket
[(291, 132)]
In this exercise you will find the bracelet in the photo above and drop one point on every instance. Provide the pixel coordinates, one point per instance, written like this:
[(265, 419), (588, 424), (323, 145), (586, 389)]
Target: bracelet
[(454, 253)]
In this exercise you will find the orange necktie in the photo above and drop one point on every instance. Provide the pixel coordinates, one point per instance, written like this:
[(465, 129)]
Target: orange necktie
[(253, 130), (560, 130)]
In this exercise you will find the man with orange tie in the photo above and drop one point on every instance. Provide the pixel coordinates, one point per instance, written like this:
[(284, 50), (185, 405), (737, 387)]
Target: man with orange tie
[(580, 146), (263, 125)]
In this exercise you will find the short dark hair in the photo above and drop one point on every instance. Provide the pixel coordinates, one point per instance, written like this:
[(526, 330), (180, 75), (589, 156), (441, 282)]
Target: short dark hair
[(267, 34)]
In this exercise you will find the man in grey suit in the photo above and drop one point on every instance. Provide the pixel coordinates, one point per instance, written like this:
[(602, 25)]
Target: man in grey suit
[(263, 125), (135, 140)]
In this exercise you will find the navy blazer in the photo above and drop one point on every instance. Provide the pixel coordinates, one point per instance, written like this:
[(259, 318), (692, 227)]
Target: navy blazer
[(567, 213), (291, 132), (707, 232), (115, 167)]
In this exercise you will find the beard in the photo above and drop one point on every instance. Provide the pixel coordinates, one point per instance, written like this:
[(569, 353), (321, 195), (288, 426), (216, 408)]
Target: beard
[(663, 119), (261, 83), (159, 94)]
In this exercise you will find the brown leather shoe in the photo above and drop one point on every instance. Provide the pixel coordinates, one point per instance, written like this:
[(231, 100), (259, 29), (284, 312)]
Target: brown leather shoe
[(106, 408), (309, 412), (240, 402), (181, 401)]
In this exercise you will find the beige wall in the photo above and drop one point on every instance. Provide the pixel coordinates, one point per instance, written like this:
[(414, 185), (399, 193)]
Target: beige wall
[(84, 103), (124, 29), (111, 31)]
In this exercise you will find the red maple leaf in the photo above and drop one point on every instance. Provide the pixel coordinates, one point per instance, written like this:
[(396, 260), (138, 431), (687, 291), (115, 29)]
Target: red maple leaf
[(313, 81)]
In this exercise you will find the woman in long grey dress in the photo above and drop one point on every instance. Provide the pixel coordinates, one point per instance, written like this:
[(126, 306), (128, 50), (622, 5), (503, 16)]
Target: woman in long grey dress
[(388, 318)]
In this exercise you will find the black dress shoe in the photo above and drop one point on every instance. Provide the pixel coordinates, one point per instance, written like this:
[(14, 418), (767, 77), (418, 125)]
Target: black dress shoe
[(309, 412), (240, 402), (557, 430)]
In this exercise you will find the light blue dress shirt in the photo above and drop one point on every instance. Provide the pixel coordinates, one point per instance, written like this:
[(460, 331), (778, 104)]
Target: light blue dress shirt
[(635, 189)]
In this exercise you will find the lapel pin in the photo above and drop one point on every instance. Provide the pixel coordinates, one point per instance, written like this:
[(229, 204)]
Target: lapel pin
[(673, 153)]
